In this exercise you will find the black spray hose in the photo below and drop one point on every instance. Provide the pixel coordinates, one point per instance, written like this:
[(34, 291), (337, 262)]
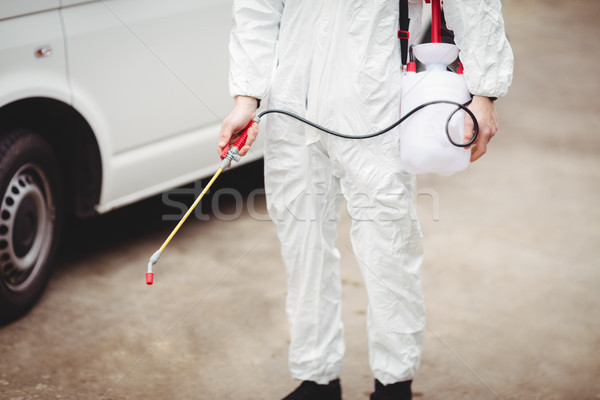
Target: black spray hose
[(389, 128)]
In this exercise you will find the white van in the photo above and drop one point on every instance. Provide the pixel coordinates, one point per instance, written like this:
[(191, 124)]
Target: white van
[(102, 103)]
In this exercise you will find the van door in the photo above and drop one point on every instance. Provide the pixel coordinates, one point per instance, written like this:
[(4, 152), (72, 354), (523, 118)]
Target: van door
[(150, 76)]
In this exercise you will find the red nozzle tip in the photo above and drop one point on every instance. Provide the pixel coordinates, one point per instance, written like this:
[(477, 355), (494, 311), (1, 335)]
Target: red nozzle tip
[(411, 67), (149, 278)]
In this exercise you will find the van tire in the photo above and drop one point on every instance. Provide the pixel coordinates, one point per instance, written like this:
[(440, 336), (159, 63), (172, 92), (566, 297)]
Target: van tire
[(31, 212)]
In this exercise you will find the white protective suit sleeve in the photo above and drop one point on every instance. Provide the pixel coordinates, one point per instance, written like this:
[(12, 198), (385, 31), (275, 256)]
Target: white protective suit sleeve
[(252, 46), (479, 33)]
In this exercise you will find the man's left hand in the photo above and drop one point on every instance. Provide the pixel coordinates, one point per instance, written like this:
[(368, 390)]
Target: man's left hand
[(485, 112)]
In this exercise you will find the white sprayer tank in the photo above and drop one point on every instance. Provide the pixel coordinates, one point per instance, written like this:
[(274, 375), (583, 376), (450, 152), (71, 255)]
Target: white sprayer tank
[(424, 146)]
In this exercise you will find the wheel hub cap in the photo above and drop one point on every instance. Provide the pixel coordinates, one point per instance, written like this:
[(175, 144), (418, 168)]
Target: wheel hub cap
[(26, 224)]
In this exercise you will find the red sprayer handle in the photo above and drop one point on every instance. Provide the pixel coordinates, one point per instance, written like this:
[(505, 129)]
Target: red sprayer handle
[(241, 141)]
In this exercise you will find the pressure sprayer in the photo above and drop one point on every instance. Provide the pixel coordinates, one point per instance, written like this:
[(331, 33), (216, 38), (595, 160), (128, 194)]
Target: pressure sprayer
[(430, 141), (423, 146)]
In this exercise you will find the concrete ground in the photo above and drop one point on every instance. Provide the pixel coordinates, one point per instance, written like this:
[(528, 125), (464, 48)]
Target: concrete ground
[(511, 275)]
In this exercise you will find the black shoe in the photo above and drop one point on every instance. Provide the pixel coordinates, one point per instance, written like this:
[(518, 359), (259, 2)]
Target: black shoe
[(309, 390), (393, 391)]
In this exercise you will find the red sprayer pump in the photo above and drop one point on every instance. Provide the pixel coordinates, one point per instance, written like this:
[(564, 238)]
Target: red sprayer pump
[(424, 144), (436, 21)]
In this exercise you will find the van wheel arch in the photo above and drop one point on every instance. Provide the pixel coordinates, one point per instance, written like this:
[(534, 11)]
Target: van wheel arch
[(74, 144)]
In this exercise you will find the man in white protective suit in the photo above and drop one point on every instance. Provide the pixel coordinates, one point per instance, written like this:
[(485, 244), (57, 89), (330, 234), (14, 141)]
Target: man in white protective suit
[(337, 63)]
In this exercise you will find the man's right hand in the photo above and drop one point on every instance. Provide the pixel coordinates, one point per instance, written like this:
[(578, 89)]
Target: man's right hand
[(244, 110)]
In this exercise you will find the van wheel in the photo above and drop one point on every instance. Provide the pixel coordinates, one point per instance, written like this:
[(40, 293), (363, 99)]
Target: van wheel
[(30, 220)]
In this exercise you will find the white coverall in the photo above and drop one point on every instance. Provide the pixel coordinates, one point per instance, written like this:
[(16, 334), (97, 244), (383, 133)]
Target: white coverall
[(337, 62)]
